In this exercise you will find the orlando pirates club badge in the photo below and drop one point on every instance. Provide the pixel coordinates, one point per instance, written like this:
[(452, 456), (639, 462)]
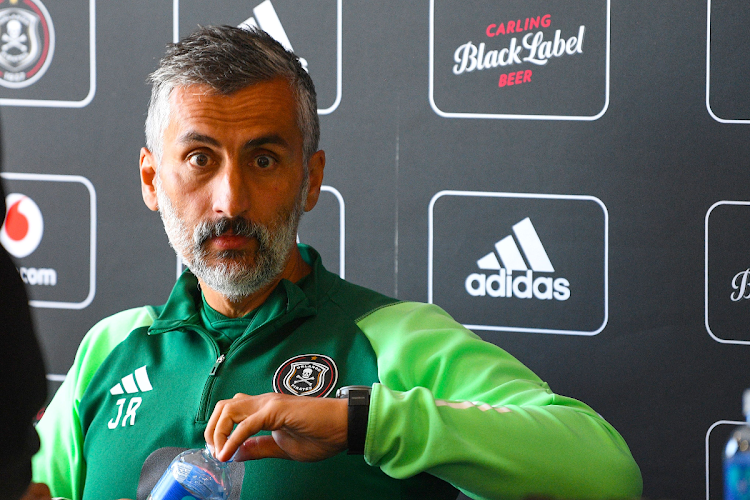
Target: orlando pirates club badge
[(313, 375), (27, 41)]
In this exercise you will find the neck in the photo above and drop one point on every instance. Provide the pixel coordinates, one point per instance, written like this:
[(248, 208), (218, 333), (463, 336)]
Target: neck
[(296, 269)]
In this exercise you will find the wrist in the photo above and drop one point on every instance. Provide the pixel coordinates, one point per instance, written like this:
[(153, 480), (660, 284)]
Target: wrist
[(358, 409)]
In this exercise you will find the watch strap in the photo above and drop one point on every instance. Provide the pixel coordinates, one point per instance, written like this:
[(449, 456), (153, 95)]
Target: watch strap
[(359, 409)]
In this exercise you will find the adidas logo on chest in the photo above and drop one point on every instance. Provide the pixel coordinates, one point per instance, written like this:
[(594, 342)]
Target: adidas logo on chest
[(134, 383)]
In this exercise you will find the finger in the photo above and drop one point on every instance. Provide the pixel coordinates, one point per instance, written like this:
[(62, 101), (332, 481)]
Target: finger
[(259, 447), (244, 411), (208, 434), (247, 426), (225, 421)]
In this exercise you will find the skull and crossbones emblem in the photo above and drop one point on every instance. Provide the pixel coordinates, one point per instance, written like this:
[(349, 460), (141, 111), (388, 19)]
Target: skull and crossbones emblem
[(14, 37), (20, 44), (27, 42), (306, 377)]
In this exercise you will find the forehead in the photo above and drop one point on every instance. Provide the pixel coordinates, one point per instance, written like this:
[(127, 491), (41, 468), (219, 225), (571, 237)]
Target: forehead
[(258, 108)]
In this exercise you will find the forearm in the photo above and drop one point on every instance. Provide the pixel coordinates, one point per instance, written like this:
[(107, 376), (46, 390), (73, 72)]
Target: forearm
[(517, 439), (558, 450)]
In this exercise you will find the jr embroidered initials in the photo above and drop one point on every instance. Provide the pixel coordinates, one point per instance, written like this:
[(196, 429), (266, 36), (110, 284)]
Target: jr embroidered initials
[(129, 413)]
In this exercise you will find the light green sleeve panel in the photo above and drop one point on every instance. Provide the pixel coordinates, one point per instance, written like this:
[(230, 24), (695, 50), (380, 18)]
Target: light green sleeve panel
[(467, 412), (59, 462)]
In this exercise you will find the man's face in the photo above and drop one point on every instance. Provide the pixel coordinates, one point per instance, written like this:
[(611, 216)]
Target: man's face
[(232, 185)]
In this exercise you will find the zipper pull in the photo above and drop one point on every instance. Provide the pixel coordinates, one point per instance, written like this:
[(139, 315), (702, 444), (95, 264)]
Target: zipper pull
[(218, 363)]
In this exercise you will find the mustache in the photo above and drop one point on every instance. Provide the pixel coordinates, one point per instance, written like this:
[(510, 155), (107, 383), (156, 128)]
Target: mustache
[(237, 226)]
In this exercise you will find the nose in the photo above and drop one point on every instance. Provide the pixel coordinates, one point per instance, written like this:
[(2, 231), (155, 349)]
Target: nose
[(231, 191)]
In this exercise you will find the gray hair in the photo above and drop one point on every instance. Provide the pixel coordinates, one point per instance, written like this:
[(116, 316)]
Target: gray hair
[(229, 59)]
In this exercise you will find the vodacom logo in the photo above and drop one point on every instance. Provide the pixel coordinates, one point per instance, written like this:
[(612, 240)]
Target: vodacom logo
[(23, 228)]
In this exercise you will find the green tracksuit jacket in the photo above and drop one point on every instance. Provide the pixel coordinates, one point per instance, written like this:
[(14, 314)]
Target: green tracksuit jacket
[(447, 409)]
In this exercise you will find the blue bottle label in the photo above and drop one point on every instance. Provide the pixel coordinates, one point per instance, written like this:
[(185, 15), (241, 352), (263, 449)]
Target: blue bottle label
[(169, 489), (737, 477)]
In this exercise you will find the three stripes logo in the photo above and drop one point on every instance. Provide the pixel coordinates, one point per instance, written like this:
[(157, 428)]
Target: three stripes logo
[(265, 18), (135, 383), (501, 282)]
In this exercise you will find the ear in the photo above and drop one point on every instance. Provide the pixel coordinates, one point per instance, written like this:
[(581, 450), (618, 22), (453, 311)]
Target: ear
[(148, 177), (315, 167)]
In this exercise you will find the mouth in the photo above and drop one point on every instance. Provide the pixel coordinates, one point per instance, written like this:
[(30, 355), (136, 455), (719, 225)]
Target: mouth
[(228, 238), (229, 241)]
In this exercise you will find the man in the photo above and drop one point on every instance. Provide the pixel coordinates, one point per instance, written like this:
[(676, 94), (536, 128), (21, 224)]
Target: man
[(231, 165)]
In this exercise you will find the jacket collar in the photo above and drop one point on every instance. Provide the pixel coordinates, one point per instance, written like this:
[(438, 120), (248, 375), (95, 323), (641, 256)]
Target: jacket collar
[(292, 299)]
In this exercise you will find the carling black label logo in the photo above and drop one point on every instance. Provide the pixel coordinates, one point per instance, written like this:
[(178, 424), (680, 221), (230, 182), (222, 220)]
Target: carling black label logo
[(50, 230), (741, 286), (314, 34), (727, 273), (520, 59), (519, 262)]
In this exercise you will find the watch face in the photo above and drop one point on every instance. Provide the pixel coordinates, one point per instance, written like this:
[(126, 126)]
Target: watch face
[(343, 392)]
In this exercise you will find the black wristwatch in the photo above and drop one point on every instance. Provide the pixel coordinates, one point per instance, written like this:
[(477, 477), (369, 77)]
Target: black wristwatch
[(359, 409)]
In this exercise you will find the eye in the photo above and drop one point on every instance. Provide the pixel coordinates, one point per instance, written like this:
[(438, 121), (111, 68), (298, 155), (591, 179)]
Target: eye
[(199, 160), (264, 161)]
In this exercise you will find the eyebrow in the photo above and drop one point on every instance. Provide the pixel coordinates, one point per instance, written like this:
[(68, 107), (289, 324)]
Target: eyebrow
[(194, 137), (268, 139)]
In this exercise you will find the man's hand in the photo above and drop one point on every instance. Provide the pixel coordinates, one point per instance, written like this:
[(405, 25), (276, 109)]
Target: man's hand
[(303, 429), (37, 491)]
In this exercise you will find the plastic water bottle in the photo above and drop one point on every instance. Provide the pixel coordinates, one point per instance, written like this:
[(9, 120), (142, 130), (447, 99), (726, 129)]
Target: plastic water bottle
[(193, 475), (737, 458)]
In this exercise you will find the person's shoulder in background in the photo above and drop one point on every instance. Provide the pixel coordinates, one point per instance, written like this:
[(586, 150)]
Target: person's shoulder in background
[(23, 384)]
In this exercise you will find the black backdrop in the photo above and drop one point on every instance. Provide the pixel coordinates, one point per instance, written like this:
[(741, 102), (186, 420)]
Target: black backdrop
[(628, 157)]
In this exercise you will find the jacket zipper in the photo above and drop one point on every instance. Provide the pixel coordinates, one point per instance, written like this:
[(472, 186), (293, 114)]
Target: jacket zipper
[(204, 411), (217, 364), (208, 386)]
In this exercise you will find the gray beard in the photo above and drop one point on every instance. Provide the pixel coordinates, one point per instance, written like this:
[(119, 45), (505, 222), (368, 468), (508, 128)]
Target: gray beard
[(231, 277)]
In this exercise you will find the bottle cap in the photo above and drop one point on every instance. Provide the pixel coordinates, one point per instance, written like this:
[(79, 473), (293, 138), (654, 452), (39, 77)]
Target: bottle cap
[(211, 452)]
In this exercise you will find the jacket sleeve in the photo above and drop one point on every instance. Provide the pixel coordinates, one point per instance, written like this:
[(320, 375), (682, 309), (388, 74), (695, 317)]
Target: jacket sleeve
[(469, 413), (60, 463)]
